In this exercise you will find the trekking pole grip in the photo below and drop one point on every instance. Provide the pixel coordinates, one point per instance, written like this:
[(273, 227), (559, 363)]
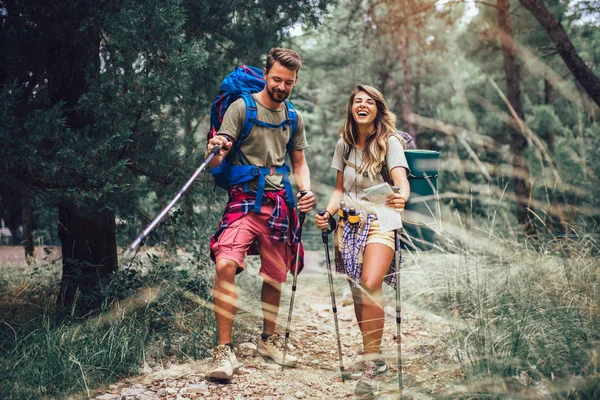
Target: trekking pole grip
[(330, 228), (214, 151), (302, 215)]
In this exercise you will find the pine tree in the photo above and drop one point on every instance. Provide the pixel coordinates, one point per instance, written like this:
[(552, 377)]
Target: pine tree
[(92, 99)]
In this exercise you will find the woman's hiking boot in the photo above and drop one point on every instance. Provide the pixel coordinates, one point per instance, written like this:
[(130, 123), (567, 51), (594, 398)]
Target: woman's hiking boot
[(272, 346), (225, 363), (367, 387), (355, 370)]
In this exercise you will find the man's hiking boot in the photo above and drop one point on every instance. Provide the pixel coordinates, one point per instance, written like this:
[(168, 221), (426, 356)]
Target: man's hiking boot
[(225, 363), (272, 347), (367, 387), (356, 370)]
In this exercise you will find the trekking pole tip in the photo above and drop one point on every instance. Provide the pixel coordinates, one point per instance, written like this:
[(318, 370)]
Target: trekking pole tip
[(133, 246)]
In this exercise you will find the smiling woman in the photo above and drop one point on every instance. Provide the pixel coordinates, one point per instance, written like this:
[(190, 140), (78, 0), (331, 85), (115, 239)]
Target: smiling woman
[(364, 250), (364, 109)]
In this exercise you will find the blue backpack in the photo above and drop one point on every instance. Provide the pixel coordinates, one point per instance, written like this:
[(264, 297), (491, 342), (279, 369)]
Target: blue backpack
[(242, 82)]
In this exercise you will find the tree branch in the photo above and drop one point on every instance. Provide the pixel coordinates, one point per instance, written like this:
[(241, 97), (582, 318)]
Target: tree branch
[(582, 73)]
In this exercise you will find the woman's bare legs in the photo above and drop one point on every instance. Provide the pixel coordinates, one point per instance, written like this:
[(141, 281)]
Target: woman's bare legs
[(368, 301)]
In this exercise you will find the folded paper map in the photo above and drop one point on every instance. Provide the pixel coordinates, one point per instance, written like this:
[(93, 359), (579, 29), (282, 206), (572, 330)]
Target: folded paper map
[(388, 217)]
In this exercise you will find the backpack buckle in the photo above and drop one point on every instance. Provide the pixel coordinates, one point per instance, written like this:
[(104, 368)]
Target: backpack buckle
[(272, 170)]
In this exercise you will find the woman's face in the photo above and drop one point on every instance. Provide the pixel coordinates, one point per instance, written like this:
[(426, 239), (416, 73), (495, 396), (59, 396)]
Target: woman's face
[(364, 109)]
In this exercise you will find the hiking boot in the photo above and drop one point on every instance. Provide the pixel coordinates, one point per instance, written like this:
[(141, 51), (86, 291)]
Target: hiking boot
[(367, 387), (356, 370), (273, 348), (225, 363)]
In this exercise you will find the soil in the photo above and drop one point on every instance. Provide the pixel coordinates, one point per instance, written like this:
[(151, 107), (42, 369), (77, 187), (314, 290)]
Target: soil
[(428, 370), (16, 254)]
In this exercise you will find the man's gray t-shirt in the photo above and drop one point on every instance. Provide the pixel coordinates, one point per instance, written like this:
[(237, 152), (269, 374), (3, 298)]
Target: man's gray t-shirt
[(264, 147), (355, 184)]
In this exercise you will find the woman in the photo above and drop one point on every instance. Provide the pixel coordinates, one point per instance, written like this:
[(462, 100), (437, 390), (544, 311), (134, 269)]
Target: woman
[(368, 145)]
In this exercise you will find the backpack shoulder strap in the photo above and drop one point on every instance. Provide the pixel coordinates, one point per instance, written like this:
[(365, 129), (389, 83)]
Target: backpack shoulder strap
[(346, 157), (251, 114), (247, 125), (407, 143), (385, 174), (292, 116), (292, 121)]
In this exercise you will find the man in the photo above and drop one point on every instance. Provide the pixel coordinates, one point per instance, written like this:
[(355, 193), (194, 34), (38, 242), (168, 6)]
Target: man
[(274, 227)]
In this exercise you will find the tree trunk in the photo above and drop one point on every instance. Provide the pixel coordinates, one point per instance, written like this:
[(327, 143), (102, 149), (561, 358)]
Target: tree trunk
[(89, 252), (548, 100), (87, 236), (188, 206), (417, 101), (403, 49), (27, 223), (582, 73), (518, 141), (548, 92)]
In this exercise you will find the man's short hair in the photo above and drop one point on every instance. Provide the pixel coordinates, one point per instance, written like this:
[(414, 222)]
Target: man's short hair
[(286, 57)]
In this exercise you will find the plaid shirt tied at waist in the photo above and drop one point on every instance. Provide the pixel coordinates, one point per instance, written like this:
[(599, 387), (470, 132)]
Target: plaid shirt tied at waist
[(284, 222), (349, 258)]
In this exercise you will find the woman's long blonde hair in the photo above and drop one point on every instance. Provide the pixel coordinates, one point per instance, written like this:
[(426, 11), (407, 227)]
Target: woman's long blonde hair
[(376, 143)]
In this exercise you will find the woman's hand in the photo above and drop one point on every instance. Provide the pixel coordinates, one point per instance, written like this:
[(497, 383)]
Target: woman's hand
[(396, 201), (322, 221)]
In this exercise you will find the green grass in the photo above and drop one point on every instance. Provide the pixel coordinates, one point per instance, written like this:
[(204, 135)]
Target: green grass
[(158, 309), (161, 313), (525, 317)]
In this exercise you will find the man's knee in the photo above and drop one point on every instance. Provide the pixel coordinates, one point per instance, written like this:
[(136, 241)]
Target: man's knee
[(225, 269), (271, 282)]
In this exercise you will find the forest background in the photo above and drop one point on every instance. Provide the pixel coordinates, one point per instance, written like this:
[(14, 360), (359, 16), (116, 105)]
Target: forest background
[(104, 109)]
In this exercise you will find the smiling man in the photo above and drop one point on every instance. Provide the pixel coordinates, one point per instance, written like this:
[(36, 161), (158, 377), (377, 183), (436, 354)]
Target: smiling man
[(259, 211)]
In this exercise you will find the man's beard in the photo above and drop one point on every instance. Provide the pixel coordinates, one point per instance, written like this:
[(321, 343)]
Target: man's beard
[(274, 92)]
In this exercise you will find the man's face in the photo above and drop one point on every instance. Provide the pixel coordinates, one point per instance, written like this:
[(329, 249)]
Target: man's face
[(279, 82)]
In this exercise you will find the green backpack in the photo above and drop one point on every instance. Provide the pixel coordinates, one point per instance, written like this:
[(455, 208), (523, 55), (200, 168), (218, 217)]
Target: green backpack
[(421, 215)]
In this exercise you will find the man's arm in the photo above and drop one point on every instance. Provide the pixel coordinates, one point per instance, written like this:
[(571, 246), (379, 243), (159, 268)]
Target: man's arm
[(302, 178)]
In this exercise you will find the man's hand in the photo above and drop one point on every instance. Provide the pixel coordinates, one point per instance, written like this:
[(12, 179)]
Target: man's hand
[(306, 201), (221, 141)]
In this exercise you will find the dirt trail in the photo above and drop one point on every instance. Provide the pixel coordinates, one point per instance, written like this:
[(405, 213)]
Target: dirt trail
[(427, 368)]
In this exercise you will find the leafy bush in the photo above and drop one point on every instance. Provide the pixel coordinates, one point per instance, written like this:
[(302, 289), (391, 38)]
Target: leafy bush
[(156, 308)]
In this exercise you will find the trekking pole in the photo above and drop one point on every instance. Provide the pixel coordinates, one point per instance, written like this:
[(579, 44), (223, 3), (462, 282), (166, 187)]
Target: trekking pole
[(215, 150), (397, 261), (325, 236), (289, 321)]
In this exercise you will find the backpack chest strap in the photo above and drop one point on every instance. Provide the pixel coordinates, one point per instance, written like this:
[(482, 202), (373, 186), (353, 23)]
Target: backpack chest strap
[(282, 124), (284, 171), (239, 174)]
